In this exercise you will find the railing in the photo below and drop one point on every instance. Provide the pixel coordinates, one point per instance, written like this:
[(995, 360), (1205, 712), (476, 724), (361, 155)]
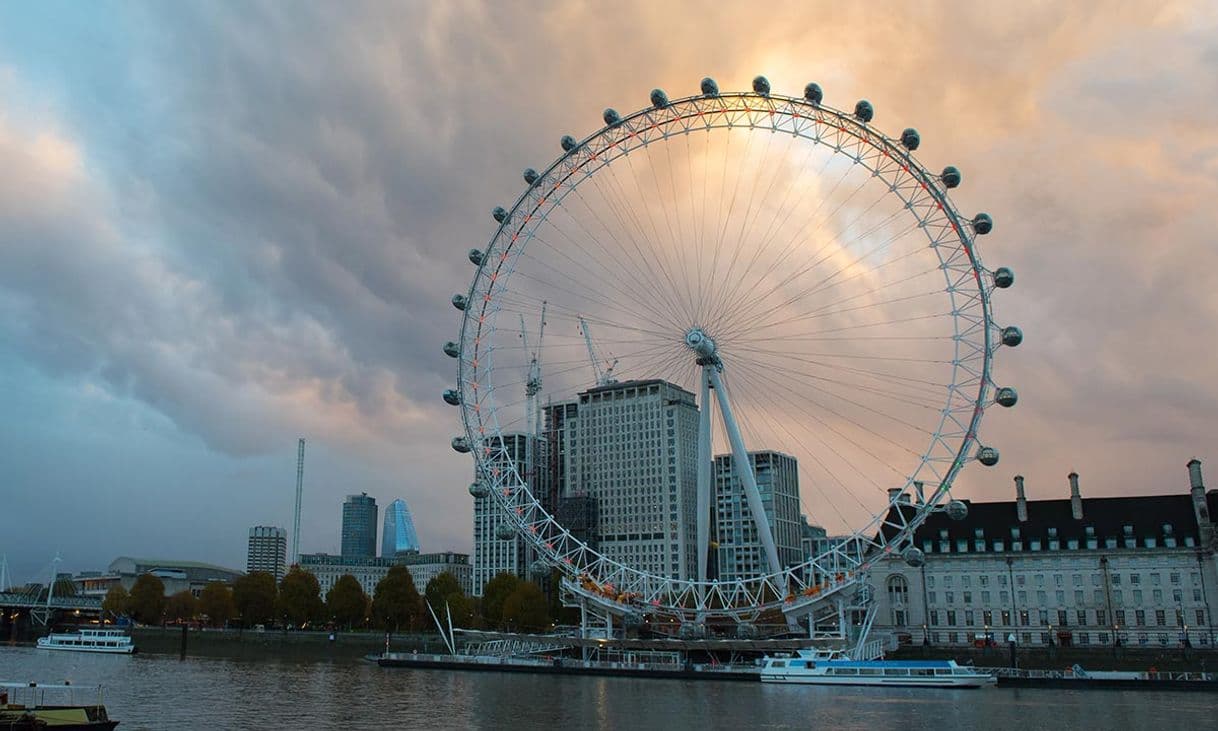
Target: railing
[(1079, 674), (569, 663)]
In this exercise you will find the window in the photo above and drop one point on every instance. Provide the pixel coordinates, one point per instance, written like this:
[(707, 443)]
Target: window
[(898, 591), (1062, 617), (1139, 617), (930, 582), (1006, 617), (985, 581), (1116, 579), (1175, 578), (987, 617), (1200, 617), (1082, 616), (1098, 596), (968, 597), (985, 597), (1137, 596), (968, 618), (951, 618), (1057, 579), (949, 597), (1135, 578), (1160, 617), (1117, 596), (1155, 579), (1040, 580), (1101, 618), (966, 582), (1024, 618), (1041, 598), (1120, 617), (930, 598), (1158, 595), (1078, 579), (1078, 597)]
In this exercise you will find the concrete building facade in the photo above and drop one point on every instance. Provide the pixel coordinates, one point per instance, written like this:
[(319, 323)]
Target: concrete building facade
[(1139, 571), (740, 554), (267, 551), (369, 570)]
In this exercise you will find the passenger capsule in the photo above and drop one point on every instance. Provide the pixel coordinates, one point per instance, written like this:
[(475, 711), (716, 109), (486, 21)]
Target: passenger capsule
[(1006, 396), (813, 93), (1003, 277), (987, 456), (864, 111), (761, 85), (460, 444), (452, 350), (568, 143), (611, 117), (1011, 336), (475, 256), (499, 214), (983, 224), (530, 176), (951, 176), (459, 302), (478, 488), (911, 139), (505, 532), (709, 87), (914, 557), (539, 569), (957, 510), (452, 397), (659, 99)]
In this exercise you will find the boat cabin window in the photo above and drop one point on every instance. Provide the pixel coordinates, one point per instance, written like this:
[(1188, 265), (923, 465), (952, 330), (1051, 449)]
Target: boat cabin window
[(778, 663)]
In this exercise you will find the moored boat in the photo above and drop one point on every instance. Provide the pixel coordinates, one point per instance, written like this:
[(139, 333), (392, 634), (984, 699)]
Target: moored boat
[(30, 706), (813, 667), (89, 640)]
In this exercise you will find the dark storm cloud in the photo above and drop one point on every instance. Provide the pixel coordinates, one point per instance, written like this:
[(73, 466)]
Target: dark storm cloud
[(250, 217)]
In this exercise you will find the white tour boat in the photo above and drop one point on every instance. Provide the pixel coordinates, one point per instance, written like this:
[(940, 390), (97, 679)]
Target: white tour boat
[(818, 667), (89, 640)]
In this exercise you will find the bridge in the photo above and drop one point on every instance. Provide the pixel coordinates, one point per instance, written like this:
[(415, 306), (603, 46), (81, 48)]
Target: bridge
[(33, 601)]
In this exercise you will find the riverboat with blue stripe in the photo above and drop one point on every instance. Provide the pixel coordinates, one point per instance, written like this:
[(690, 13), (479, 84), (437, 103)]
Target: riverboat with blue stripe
[(833, 668)]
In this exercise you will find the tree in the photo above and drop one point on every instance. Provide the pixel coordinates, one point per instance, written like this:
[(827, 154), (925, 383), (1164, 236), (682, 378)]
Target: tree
[(396, 603), (254, 596), (148, 599), (442, 586), (525, 608), (300, 597), (181, 606), (117, 601), (346, 601), (493, 596), (216, 601)]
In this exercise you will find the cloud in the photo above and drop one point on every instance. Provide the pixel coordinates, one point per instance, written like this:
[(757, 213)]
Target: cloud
[(250, 219)]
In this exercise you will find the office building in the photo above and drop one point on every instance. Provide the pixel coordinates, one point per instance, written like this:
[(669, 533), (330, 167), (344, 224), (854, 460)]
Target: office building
[(497, 548), (267, 551), (359, 526), (1075, 571), (369, 570), (631, 447), (398, 535), (740, 553)]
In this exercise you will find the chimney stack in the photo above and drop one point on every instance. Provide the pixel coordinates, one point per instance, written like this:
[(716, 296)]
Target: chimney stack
[(1197, 490), (1021, 502), (1076, 499)]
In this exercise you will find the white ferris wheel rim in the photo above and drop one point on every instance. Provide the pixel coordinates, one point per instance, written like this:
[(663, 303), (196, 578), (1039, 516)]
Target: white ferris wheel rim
[(951, 235)]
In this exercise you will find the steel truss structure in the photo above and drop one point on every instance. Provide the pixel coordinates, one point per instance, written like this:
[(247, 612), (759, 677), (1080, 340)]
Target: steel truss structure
[(597, 580)]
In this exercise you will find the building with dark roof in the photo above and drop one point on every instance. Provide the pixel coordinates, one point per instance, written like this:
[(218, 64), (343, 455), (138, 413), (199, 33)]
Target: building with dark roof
[(1079, 571)]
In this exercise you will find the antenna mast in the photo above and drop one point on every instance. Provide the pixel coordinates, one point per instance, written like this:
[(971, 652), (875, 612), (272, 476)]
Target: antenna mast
[(299, 489)]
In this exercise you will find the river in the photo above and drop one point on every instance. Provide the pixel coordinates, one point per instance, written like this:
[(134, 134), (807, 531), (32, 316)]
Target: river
[(162, 692)]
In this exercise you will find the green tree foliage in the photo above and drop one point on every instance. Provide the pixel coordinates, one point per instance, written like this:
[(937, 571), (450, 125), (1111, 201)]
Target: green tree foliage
[(254, 596), (493, 596), (216, 601), (525, 608), (300, 597), (396, 604), (117, 602), (147, 599), (181, 606), (346, 602), (445, 595)]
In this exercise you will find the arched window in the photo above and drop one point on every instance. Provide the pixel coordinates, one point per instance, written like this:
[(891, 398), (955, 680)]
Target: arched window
[(898, 591)]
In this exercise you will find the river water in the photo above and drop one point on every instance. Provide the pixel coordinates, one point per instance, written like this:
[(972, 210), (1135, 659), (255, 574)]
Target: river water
[(162, 692)]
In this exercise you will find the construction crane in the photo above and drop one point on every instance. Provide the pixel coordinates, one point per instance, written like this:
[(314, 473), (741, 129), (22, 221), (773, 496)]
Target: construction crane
[(532, 384), (604, 375)]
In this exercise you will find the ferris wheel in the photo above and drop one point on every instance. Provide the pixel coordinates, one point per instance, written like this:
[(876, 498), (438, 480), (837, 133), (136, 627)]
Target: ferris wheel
[(786, 267)]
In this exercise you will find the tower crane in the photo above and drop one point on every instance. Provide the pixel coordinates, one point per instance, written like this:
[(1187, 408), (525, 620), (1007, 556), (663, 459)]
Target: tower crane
[(604, 375), (532, 384)]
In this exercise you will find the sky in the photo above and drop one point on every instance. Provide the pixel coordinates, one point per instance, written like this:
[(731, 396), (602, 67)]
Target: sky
[(224, 226)]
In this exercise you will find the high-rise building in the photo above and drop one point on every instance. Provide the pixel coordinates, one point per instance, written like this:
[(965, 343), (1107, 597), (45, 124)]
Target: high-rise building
[(497, 549), (632, 448), (398, 536), (267, 550), (359, 526), (740, 554)]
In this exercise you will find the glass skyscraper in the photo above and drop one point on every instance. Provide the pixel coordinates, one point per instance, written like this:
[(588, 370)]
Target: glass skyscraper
[(359, 526), (398, 535)]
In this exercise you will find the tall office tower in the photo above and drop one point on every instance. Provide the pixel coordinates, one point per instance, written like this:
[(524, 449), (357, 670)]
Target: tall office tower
[(633, 451), (741, 555), (267, 550), (498, 548), (359, 526), (398, 536)]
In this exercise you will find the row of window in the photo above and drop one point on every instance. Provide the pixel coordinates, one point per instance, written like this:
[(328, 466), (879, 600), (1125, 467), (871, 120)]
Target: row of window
[(1060, 618)]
